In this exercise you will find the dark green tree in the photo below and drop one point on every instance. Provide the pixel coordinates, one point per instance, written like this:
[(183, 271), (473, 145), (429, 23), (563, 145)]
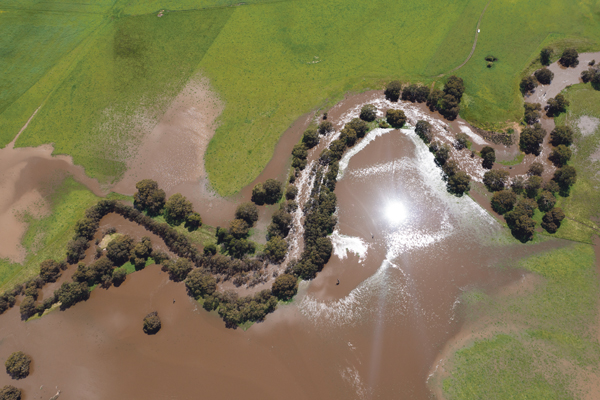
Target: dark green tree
[(546, 201), (179, 269), (140, 253), (565, 177), (177, 208), (359, 126), (119, 249), (532, 113), (396, 118), (149, 197), (200, 283), (392, 90), (422, 94), (533, 184), (569, 58), (560, 155), (545, 55), (544, 76), (368, 113), (17, 365), (325, 128), (9, 392), (210, 249), (503, 201), (290, 192), (27, 307), (488, 154), (495, 180), (285, 287), (561, 135), (310, 138), (459, 183), (434, 99), (193, 221), (276, 249), (273, 191), (423, 130), (49, 270), (238, 228), (462, 141), (258, 194), (557, 105), (531, 139), (536, 168), (552, 219), (247, 212), (442, 154), (118, 276), (527, 85), (152, 323)]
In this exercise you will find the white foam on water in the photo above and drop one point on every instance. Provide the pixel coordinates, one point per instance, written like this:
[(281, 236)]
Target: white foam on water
[(475, 137), (343, 244)]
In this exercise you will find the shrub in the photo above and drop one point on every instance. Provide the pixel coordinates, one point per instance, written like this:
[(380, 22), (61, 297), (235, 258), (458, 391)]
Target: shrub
[(528, 84), (27, 307), (462, 140), (258, 194), (557, 105), (310, 138), (290, 192), (325, 128), (560, 155), (495, 180), (179, 269), (49, 270), (546, 201), (149, 197), (285, 287), (561, 135), (210, 249), (396, 118), (569, 58), (17, 365), (177, 208), (368, 113), (488, 154), (152, 323), (199, 283), (423, 130), (276, 249), (532, 113), (247, 212), (544, 76), (545, 55), (273, 191), (392, 90), (10, 393), (348, 135), (536, 168), (531, 139), (459, 183), (503, 201), (552, 219), (119, 249)]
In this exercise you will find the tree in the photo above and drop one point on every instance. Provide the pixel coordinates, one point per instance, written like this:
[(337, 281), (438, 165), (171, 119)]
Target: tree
[(273, 191), (544, 76), (488, 154), (442, 154), (455, 87), (532, 113), (495, 180), (27, 307), (210, 249), (551, 186), (359, 126), (521, 225), (49, 270), (462, 140), (450, 168), (258, 194), (588, 75), (71, 293), (348, 135), (290, 192), (552, 219), (545, 55), (565, 177), (569, 58), (527, 85), (518, 185), (325, 128), (396, 118), (17, 365), (536, 168), (285, 287), (149, 197), (531, 139), (118, 276), (533, 184), (368, 113), (423, 130), (179, 269), (276, 249), (503, 201), (119, 249), (247, 212), (560, 155), (200, 283), (152, 323), (238, 228), (310, 138), (449, 107), (459, 183), (561, 135), (557, 105), (177, 209), (546, 201), (422, 94), (392, 90), (193, 221), (409, 92), (434, 98), (10, 393), (140, 252)]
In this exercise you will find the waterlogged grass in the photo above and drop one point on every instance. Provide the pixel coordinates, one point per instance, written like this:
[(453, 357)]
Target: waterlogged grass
[(47, 237), (543, 341), (136, 7), (203, 236), (515, 161)]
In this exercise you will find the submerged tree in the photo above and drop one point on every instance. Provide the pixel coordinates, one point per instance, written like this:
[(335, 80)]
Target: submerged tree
[(285, 287), (9, 392), (569, 58), (531, 139), (152, 323), (368, 113), (392, 90), (17, 365), (544, 76), (177, 208), (495, 180), (532, 113), (488, 154), (149, 197), (527, 85)]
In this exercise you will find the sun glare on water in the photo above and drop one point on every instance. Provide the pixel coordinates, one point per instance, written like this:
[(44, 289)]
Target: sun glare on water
[(395, 212)]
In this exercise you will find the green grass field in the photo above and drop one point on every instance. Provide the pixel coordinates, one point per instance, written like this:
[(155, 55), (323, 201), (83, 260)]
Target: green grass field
[(106, 71), (546, 339)]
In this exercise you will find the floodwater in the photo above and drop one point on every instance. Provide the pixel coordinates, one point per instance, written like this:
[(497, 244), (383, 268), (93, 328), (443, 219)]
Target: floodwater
[(405, 250)]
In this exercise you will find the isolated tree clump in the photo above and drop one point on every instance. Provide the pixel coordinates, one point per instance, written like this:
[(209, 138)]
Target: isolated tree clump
[(503, 201), (561, 135), (528, 84), (200, 283), (152, 323), (177, 208), (310, 138), (495, 180), (325, 128), (392, 90), (532, 113), (545, 55), (531, 139), (488, 154), (247, 212), (149, 197), (9, 392), (423, 130), (276, 249), (368, 113), (285, 287), (396, 118), (17, 365), (569, 58), (544, 76), (552, 219)]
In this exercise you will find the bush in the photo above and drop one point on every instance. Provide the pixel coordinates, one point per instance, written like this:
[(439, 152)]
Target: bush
[(10, 393), (149, 197), (71, 293), (536, 168), (17, 365), (552, 219), (152, 323), (348, 135), (325, 128), (503, 201), (276, 249), (546, 201), (531, 139), (544, 76), (560, 155), (290, 192), (423, 130), (368, 113), (532, 113), (27, 307), (545, 55), (177, 209), (557, 105), (180, 269), (459, 183), (561, 135), (392, 90), (247, 212), (86, 228), (310, 138), (495, 180), (528, 84), (285, 287), (396, 118), (119, 249), (569, 58), (273, 191), (199, 283), (488, 154), (49, 270), (258, 194)]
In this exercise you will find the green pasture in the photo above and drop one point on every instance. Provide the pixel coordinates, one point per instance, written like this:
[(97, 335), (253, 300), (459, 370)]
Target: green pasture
[(543, 342), (47, 237)]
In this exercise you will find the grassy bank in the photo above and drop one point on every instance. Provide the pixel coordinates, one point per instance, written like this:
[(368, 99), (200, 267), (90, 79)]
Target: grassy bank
[(47, 237), (543, 342)]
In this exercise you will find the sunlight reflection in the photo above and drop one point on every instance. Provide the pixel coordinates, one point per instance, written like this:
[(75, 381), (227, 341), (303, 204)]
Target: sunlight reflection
[(395, 212)]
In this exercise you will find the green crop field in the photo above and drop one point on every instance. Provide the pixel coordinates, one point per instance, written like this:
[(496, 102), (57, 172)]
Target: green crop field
[(104, 72)]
